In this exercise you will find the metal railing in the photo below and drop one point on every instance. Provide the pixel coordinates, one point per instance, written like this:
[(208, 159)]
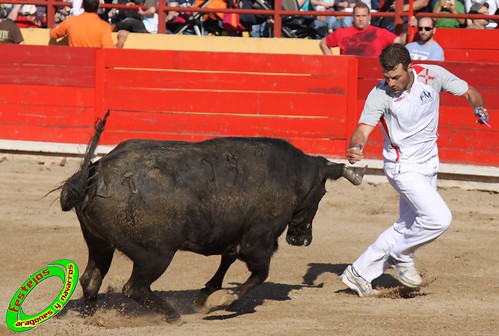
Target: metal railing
[(276, 13)]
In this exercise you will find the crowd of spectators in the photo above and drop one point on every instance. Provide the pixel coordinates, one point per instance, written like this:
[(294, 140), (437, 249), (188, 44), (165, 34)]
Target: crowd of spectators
[(142, 17)]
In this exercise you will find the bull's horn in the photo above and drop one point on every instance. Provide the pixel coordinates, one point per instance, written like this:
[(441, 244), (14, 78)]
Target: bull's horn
[(355, 178)]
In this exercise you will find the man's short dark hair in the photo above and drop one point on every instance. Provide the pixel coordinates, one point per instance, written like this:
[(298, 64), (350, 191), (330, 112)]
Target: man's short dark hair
[(361, 4), (90, 6), (393, 55)]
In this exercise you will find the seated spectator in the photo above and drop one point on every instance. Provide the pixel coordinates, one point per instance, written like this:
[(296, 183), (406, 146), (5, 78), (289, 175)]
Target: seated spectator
[(317, 28), (26, 17), (426, 48), (478, 8), (9, 31), (176, 19), (322, 6), (76, 8), (62, 12), (88, 29), (450, 7), (212, 4), (146, 23), (492, 5), (335, 22), (361, 39), (123, 14), (212, 22)]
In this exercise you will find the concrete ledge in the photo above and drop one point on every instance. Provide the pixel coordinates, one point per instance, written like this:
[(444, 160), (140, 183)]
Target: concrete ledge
[(197, 43)]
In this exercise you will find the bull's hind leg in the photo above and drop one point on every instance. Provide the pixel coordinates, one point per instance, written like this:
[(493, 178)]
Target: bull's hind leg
[(147, 268), (100, 255), (215, 282)]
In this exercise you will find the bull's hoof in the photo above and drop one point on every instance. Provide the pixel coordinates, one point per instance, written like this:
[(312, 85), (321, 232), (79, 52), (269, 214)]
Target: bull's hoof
[(175, 320), (89, 309), (299, 240), (219, 299), (200, 301)]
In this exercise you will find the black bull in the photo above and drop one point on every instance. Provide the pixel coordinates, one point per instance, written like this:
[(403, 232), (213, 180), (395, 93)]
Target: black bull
[(227, 196)]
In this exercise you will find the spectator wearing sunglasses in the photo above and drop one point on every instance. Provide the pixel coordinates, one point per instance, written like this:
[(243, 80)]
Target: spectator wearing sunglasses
[(426, 48)]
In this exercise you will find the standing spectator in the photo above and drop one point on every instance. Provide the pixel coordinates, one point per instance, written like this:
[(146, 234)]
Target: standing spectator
[(450, 7), (146, 23), (9, 31), (478, 8), (426, 49), (26, 17), (88, 29), (361, 39), (406, 103)]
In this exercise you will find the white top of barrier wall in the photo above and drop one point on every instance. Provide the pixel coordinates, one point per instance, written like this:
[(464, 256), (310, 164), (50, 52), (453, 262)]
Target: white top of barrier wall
[(41, 148)]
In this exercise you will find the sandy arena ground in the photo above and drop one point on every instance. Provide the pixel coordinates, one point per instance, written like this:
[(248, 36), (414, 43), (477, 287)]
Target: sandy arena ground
[(302, 296)]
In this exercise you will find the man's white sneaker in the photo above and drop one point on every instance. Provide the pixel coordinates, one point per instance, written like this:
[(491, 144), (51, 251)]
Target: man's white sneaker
[(357, 283), (406, 273)]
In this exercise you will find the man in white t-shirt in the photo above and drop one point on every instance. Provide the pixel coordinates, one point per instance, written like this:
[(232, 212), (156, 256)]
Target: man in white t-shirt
[(426, 49), (406, 103)]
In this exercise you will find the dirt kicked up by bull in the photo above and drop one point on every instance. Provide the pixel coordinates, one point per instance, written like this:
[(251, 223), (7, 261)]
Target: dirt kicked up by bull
[(232, 197)]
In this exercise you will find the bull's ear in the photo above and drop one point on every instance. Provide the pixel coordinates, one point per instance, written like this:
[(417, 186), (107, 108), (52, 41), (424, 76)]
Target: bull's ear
[(353, 176)]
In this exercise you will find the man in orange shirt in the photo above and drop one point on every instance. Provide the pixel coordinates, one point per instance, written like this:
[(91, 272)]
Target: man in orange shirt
[(88, 29)]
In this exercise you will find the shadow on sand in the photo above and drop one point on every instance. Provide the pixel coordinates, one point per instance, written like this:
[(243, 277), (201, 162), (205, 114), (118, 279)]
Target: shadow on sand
[(183, 300)]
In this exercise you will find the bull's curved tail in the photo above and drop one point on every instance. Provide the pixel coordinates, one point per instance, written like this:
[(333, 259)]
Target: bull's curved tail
[(73, 189)]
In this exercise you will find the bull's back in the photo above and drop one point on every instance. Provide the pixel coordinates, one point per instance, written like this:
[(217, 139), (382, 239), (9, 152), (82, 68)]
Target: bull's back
[(219, 165), (180, 191)]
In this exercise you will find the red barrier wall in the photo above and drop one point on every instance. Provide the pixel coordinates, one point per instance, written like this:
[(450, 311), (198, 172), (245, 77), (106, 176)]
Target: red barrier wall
[(54, 95)]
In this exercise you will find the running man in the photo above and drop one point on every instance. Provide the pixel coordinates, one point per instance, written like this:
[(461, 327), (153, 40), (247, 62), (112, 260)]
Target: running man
[(406, 103)]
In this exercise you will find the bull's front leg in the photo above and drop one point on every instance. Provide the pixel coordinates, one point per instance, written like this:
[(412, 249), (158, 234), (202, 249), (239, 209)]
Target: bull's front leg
[(215, 282), (258, 264)]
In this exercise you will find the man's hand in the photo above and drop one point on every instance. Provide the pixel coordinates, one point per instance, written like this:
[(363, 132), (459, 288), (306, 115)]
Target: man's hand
[(354, 154), (482, 114)]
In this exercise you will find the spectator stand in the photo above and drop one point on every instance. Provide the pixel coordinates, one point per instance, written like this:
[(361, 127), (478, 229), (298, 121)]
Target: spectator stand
[(277, 13)]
